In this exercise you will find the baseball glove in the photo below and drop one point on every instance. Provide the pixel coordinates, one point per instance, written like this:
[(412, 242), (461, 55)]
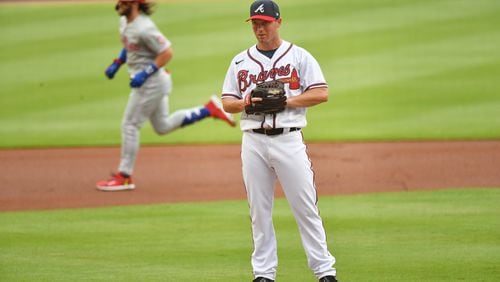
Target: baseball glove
[(273, 98)]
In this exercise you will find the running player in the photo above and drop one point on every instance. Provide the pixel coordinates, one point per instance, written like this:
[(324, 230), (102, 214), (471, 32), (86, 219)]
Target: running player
[(146, 51), (272, 145)]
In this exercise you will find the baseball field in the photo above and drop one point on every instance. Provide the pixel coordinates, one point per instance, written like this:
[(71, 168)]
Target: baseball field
[(406, 151)]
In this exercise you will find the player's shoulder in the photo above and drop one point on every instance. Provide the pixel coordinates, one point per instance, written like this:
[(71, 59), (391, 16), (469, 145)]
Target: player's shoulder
[(144, 22), (240, 57), (301, 53), (122, 20), (122, 24), (297, 49)]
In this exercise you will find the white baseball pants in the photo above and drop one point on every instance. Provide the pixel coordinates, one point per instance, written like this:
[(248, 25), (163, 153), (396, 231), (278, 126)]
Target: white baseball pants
[(284, 157)]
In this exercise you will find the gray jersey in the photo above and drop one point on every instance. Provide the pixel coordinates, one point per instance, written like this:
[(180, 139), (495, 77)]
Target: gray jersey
[(143, 41)]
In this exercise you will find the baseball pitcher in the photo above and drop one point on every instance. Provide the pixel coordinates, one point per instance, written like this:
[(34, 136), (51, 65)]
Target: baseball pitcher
[(272, 84)]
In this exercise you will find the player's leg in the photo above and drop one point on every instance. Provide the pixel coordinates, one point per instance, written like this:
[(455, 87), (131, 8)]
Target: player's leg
[(214, 107), (160, 118), (297, 180), (141, 105), (259, 181), (164, 123), (135, 115)]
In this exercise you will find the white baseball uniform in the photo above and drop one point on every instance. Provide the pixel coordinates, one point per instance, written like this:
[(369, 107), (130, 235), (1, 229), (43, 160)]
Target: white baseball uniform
[(283, 155), (143, 42)]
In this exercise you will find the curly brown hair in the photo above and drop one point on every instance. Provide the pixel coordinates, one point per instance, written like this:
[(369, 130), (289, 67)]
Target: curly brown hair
[(147, 8)]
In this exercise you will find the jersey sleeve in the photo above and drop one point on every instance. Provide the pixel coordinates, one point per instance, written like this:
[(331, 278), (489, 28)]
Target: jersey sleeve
[(311, 73), (122, 24), (230, 86), (155, 40)]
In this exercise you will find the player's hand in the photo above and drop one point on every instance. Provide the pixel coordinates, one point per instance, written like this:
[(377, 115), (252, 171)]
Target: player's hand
[(249, 100), (138, 79), (141, 77), (272, 98), (113, 69), (117, 63)]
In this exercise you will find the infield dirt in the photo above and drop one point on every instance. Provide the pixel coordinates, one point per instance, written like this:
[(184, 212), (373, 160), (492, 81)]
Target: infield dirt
[(38, 179)]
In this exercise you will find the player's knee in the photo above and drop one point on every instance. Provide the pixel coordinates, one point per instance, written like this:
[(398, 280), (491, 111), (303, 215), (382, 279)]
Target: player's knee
[(162, 129), (128, 127)]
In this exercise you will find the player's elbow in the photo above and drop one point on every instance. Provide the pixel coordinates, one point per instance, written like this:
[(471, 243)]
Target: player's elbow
[(164, 57), (322, 95)]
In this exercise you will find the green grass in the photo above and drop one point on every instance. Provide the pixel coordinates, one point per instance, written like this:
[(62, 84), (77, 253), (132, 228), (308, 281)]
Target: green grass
[(397, 69), (447, 235)]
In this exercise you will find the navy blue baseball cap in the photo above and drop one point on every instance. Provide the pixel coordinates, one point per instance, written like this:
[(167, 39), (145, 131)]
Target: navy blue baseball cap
[(265, 10)]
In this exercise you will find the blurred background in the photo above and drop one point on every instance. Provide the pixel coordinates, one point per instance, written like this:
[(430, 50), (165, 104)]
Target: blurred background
[(397, 69)]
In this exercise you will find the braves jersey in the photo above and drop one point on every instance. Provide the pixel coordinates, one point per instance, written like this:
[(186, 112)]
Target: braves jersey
[(143, 41), (291, 64)]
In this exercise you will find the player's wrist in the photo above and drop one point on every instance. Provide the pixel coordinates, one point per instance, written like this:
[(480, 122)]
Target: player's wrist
[(140, 78), (123, 56), (118, 61), (152, 68)]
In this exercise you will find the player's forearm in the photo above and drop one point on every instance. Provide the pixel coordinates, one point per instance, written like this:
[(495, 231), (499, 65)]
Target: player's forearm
[(233, 106), (309, 98), (160, 61), (163, 58)]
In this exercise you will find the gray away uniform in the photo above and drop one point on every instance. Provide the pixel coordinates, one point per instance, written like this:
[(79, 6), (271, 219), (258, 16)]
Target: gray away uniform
[(143, 42)]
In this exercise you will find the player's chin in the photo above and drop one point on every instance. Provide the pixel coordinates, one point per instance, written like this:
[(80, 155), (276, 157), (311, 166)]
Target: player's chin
[(261, 37)]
